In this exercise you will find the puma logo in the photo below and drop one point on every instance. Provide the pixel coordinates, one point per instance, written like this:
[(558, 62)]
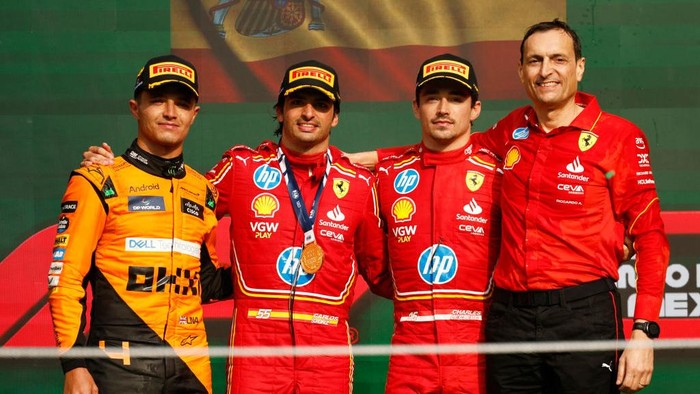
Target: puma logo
[(608, 366), (243, 159)]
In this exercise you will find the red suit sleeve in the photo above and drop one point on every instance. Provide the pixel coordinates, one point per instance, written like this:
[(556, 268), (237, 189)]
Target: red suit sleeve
[(493, 139), (370, 248), (635, 201), (221, 176), (383, 153)]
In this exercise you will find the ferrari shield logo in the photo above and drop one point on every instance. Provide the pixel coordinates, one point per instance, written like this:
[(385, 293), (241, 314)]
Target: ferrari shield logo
[(340, 187), (474, 180), (586, 140)]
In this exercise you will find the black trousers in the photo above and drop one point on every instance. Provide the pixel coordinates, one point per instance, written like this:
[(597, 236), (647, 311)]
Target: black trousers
[(144, 376), (526, 317)]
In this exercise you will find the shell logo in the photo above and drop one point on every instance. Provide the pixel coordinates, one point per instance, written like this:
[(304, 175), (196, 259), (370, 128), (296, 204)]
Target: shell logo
[(512, 158), (265, 205), (403, 209)]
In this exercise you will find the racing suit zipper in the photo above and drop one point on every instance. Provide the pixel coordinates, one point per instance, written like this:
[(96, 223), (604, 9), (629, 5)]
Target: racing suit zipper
[(172, 257), (434, 234)]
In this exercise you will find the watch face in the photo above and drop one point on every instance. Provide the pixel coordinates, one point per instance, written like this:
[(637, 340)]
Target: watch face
[(653, 330)]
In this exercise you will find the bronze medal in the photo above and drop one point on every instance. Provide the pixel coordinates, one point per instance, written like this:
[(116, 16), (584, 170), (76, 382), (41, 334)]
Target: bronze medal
[(311, 258)]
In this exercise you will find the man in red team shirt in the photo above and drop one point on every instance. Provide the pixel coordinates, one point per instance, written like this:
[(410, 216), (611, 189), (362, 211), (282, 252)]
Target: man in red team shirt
[(440, 202), (304, 223), (576, 181)]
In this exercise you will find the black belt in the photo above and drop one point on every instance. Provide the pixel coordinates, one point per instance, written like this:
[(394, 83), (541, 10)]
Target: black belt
[(553, 297)]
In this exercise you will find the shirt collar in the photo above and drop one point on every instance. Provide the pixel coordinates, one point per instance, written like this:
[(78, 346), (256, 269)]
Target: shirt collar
[(431, 158), (586, 120)]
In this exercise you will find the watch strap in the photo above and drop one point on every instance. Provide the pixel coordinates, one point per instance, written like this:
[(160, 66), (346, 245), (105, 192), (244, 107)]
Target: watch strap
[(651, 329)]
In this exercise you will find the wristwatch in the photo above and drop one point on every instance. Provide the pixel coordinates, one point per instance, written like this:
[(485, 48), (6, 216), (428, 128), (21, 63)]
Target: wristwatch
[(650, 328)]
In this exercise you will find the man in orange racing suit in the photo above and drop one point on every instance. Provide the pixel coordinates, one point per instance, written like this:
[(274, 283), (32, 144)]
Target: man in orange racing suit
[(141, 232), (440, 201)]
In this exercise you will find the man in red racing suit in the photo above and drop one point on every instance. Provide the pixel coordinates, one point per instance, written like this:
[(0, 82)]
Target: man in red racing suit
[(440, 202), (277, 302)]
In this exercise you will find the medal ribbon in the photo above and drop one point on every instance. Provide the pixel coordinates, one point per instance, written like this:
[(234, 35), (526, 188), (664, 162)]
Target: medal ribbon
[(306, 219)]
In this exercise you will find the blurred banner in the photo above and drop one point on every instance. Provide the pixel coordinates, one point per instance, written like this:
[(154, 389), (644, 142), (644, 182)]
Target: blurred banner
[(242, 47), (26, 321)]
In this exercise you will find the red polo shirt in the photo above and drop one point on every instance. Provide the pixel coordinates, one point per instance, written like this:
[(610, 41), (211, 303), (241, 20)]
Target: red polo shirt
[(567, 198)]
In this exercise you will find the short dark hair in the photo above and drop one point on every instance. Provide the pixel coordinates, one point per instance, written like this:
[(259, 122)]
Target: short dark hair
[(556, 24), (474, 96), (278, 106)]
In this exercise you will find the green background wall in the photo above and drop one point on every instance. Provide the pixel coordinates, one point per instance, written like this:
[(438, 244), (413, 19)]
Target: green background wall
[(67, 68)]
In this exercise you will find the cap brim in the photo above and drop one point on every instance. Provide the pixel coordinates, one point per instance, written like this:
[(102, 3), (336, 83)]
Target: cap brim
[(166, 81), (325, 91), (466, 84)]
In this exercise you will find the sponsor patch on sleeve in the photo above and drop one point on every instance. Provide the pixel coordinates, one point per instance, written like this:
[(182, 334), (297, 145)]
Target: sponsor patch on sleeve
[(211, 199), (56, 268), (53, 281), (69, 206), (59, 254), (61, 241), (63, 224), (108, 189)]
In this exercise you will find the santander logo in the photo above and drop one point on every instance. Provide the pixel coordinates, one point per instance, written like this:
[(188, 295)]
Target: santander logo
[(473, 208), (336, 214), (575, 166)]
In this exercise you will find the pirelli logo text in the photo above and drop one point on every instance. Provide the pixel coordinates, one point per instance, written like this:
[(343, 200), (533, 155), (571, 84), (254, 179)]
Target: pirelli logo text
[(157, 279), (446, 66), (313, 73), (170, 68)]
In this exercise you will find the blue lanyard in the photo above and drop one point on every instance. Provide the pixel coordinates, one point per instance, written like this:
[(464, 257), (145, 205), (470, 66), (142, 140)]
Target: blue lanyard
[(306, 219)]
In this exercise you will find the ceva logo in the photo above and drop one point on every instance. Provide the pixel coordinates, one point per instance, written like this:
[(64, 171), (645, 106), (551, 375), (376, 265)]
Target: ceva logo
[(571, 189)]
